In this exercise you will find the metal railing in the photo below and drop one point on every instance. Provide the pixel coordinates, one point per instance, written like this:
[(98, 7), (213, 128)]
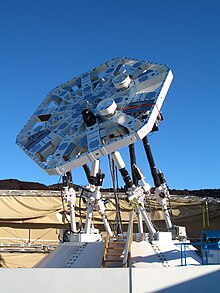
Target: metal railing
[(8, 240), (105, 249), (128, 242), (204, 248)]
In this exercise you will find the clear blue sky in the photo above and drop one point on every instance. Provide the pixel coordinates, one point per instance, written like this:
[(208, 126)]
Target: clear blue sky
[(45, 43)]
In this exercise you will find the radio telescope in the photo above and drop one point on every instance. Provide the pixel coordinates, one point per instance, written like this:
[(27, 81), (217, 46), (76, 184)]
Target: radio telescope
[(95, 114)]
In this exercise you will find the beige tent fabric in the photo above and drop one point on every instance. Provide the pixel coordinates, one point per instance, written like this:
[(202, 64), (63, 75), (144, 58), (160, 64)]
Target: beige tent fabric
[(37, 218), (31, 209), (51, 210), (20, 260), (38, 213), (29, 234)]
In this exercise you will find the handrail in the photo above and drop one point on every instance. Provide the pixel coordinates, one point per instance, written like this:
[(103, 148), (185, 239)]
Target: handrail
[(105, 249), (203, 246), (129, 237), (24, 241)]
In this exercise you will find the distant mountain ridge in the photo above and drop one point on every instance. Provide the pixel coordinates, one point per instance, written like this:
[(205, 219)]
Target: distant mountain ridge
[(14, 184)]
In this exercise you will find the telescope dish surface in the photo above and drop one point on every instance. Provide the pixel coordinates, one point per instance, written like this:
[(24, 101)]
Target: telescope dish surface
[(96, 113)]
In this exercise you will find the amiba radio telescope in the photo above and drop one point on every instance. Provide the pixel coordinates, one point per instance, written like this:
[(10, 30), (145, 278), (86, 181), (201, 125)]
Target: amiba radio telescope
[(95, 114)]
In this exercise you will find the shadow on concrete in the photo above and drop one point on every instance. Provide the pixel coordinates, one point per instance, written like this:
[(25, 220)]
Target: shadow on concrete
[(206, 283), (158, 258)]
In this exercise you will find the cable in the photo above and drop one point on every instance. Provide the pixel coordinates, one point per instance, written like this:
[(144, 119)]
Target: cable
[(114, 175), (170, 210), (67, 181), (117, 195), (64, 211), (80, 210), (150, 210)]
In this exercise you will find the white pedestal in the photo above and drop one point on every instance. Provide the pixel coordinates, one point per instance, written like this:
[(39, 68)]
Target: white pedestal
[(85, 237)]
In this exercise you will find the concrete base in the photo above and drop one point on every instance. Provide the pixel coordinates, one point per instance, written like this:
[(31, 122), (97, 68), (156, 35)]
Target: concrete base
[(136, 280), (64, 280), (85, 237), (75, 255), (163, 236)]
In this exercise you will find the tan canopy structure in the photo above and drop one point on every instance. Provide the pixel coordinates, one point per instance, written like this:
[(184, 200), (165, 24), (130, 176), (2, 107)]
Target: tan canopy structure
[(39, 218)]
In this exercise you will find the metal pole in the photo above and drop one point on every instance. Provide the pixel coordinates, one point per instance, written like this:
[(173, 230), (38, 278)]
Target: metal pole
[(139, 220), (146, 219), (87, 172), (72, 201), (150, 158), (133, 162), (119, 162), (88, 218)]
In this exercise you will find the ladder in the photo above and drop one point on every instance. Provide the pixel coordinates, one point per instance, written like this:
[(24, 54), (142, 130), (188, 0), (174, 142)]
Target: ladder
[(113, 253)]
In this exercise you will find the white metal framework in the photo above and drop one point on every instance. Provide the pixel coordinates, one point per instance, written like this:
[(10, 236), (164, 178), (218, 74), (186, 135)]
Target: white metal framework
[(95, 113)]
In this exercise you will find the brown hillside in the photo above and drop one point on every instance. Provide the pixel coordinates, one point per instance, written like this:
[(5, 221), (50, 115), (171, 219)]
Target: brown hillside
[(14, 184)]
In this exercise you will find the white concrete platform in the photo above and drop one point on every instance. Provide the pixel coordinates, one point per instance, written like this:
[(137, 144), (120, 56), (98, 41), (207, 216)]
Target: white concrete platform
[(161, 254), (155, 267), (118, 280), (75, 255), (58, 280), (182, 279)]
